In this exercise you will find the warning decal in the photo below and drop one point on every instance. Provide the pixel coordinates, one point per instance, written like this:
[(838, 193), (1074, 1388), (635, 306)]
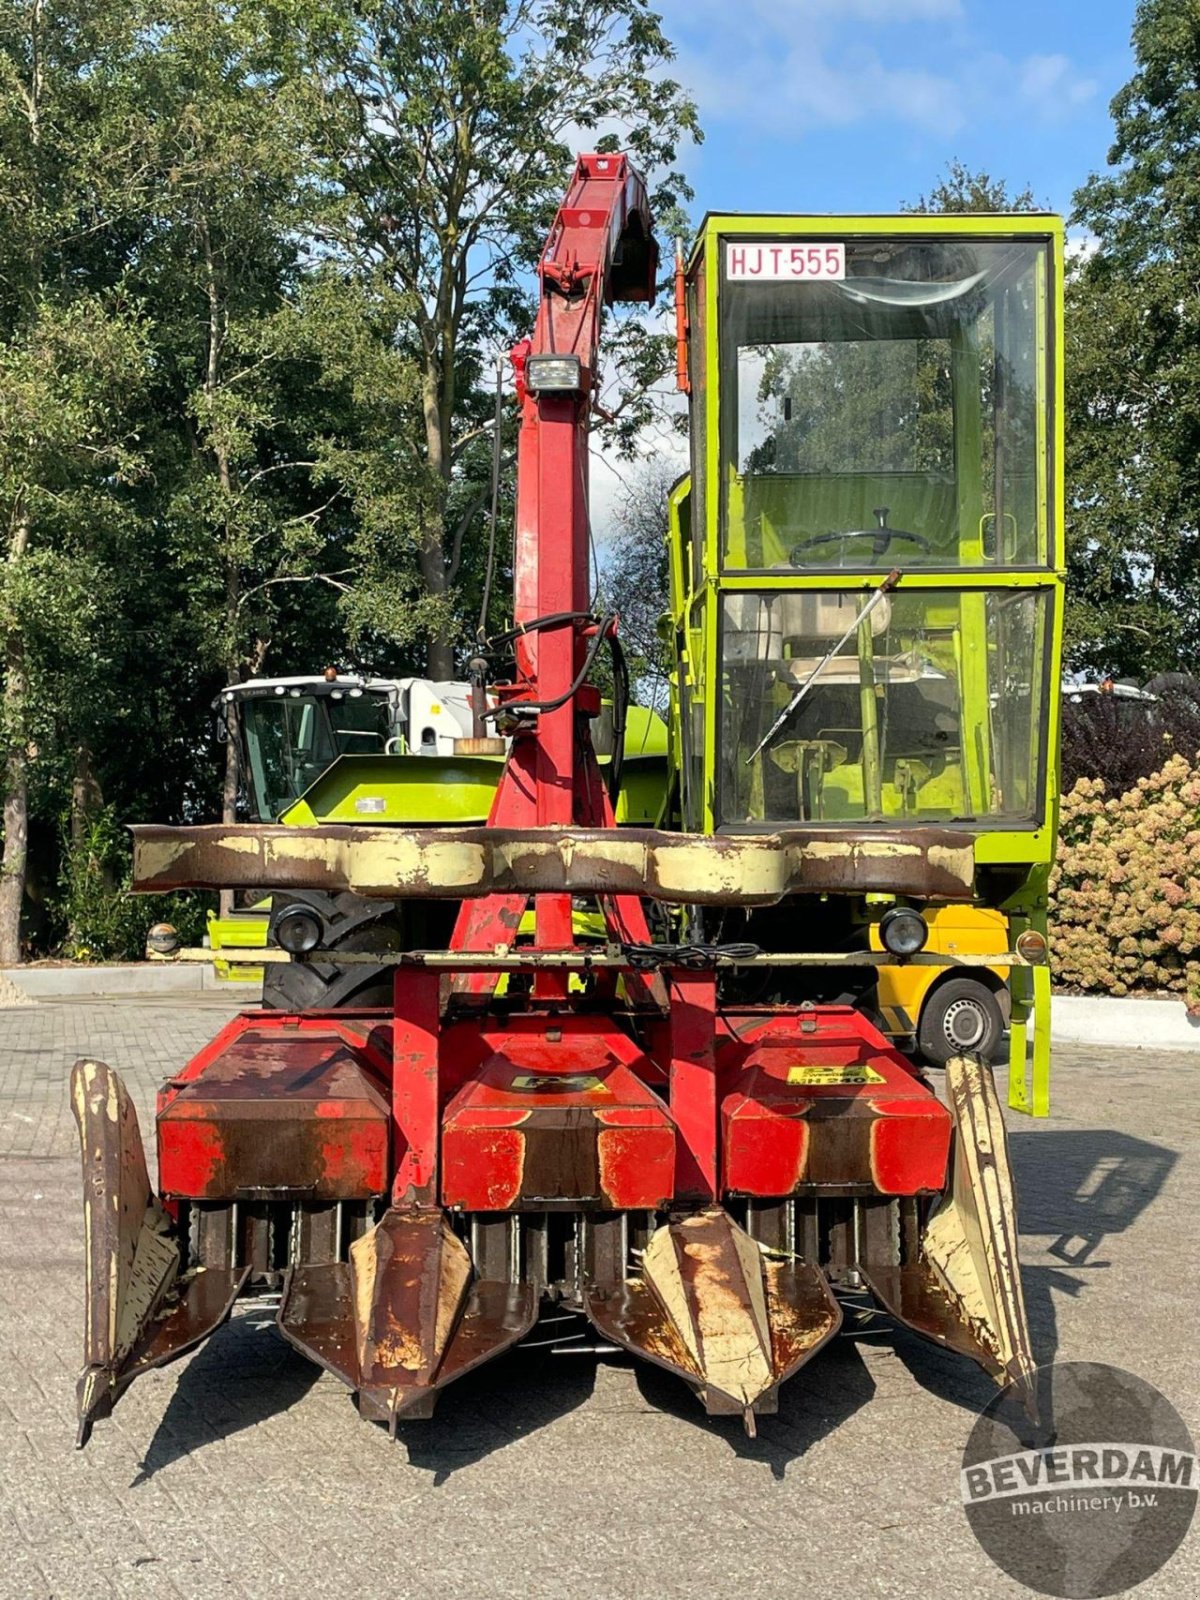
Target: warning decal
[(834, 1076), (557, 1082)]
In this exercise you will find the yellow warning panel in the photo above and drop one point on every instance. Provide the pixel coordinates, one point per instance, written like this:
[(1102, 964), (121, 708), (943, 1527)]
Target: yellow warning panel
[(834, 1076), (557, 1082)]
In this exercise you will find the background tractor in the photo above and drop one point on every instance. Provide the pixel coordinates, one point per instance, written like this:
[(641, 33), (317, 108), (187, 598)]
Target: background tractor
[(343, 748)]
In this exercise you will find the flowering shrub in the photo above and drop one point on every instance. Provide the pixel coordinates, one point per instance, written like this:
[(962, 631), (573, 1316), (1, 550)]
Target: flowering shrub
[(1125, 890)]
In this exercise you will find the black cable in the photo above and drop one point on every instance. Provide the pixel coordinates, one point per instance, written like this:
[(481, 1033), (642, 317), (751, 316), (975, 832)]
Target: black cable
[(481, 631), (521, 707), (693, 956), (552, 619)]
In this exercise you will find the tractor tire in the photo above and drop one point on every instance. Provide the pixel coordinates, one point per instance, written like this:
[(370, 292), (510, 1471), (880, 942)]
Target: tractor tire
[(349, 922), (961, 1016)]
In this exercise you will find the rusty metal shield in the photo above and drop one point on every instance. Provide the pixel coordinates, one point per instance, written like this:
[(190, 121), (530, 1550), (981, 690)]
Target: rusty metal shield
[(720, 1313), (142, 1310), (965, 1290), (405, 1316)]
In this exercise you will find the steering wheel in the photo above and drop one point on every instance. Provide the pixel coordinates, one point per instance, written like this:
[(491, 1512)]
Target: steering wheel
[(881, 538)]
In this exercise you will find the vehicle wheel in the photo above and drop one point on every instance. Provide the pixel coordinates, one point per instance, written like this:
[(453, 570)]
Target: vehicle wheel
[(962, 1016), (349, 922)]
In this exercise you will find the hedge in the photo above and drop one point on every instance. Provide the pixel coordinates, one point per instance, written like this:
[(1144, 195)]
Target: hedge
[(1125, 890)]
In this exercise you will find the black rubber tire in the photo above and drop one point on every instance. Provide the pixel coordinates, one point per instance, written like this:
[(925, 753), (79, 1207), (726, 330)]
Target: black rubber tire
[(349, 922), (961, 1016)]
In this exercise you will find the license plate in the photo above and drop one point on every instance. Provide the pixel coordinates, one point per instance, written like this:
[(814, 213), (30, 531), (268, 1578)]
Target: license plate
[(785, 263)]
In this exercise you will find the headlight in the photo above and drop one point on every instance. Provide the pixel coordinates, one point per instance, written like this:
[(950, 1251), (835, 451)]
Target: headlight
[(554, 375), (298, 929), (162, 939), (1032, 945), (903, 931)]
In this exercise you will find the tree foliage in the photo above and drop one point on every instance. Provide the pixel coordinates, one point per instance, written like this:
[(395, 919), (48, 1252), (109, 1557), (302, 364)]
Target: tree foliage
[(1134, 401), (74, 356), (962, 190), (634, 579), (451, 131), (257, 262), (1119, 740)]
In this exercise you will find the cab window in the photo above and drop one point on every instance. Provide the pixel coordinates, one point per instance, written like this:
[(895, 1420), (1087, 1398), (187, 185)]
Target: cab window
[(888, 417)]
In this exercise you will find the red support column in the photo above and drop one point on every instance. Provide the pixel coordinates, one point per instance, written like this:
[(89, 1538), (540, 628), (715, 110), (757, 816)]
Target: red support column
[(495, 920), (693, 1092), (415, 1098), (561, 587)]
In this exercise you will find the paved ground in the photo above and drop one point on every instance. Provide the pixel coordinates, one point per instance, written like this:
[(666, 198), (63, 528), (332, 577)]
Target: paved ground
[(243, 1473)]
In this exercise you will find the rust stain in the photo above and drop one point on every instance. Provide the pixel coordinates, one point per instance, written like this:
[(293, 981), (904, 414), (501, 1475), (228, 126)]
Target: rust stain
[(466, 863)]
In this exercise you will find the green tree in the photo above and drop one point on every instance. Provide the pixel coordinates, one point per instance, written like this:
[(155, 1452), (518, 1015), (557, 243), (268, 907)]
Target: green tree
[(224, 126), (256, 262), (1133, 458), (454, 127), (961, 190), (72, 360), (634, 577)]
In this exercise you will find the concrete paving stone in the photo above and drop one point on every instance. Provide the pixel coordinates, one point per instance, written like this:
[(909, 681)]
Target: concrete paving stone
[(243, 1472)]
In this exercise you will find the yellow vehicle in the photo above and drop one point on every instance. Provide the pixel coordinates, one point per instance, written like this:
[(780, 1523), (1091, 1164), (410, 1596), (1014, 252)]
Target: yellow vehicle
[(244, 929), (941, 1011)]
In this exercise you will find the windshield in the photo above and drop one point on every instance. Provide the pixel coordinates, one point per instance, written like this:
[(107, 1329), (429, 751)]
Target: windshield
[(933, 710), (290, 739), (888, 416)]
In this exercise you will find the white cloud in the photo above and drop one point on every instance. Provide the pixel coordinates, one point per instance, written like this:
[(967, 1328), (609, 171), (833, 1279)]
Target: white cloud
[(784, 67), (1051, 82), (788, 91)]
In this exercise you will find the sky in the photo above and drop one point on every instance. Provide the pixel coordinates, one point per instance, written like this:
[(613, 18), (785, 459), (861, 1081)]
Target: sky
[(860, 105)]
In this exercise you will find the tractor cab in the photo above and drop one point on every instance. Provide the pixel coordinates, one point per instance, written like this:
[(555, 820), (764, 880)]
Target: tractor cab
[(867, 558), (290, 731)]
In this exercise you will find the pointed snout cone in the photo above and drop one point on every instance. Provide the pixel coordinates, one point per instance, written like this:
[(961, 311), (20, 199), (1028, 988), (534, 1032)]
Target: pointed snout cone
[(708, 1276), (405, 1316), (711, 1307), (410, 1277)]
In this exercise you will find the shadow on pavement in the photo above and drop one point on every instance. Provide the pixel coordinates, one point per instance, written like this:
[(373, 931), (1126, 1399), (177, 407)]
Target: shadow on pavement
[(247, 1373), (1082, 1184), (244, 1374), (817, 1400), (951, 1377), (502, 1401), (1075, 1186)]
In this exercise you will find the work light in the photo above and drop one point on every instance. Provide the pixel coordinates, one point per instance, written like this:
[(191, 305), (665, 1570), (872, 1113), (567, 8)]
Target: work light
[(298, 929), (554, 375), (1032, 945), (903, 931)]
